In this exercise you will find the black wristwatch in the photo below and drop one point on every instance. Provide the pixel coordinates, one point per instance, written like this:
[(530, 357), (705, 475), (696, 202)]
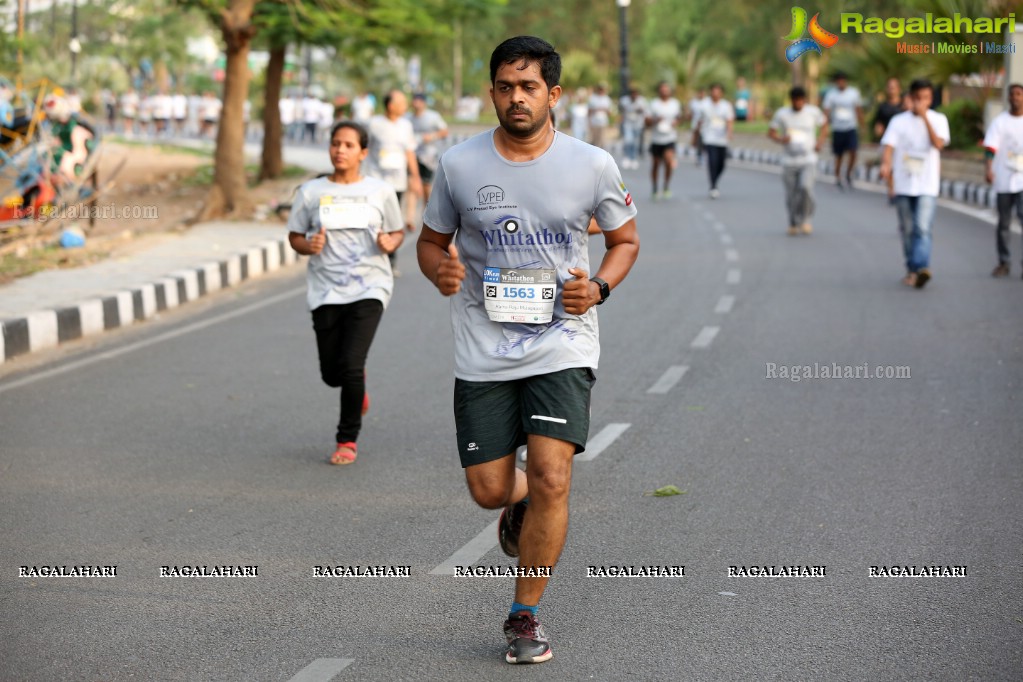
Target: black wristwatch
[(605, 290)]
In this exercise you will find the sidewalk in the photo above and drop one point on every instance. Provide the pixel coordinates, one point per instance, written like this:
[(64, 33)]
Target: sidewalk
[(49, 308)]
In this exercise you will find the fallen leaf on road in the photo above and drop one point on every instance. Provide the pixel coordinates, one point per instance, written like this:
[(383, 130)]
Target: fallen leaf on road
[(666, 491)]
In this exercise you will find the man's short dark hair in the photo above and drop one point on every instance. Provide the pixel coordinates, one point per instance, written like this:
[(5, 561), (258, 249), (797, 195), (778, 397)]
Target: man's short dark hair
[(530, 49), (920, 84), (840, 76), (797, 91), (1014, 86)]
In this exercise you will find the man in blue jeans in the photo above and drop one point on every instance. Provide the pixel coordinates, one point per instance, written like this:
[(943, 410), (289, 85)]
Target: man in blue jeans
[(912, 147)]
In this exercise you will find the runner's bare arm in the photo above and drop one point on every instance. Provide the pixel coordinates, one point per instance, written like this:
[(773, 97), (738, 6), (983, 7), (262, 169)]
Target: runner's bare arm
[(580, 294), (438, 260)]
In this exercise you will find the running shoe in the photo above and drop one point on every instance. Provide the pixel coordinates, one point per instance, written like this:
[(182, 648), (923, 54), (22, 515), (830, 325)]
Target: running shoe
[(509, 526), (910, 279), (793, 231), (344, 454), (714, 193), (807, 228), (1001, 271), (666, 194), (527, 642), (923, 275)]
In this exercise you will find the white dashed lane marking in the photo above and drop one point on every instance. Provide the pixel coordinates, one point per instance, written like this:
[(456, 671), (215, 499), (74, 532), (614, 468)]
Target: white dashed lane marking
[(705, 337), (725, 304), (731, 255), (734, 276), (602, 441), (668, 380), (470, 552), (322, 670), (726, 239)]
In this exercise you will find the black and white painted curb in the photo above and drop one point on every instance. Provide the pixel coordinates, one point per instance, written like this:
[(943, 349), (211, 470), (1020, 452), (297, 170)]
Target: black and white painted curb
[(973, 193), (49, 328)]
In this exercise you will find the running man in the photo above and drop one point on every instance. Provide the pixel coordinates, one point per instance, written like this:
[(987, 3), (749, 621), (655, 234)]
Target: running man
[(844, 108), (346, 224), (715, 126), (912, 147), (429, 128), (696, 105), (505, 236), (663, 116), (796, 127), (1003, 145), (632, 110), (392, 155)]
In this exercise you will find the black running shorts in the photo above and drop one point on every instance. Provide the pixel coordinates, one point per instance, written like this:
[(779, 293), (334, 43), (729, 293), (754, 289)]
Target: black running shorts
[(493, 418)]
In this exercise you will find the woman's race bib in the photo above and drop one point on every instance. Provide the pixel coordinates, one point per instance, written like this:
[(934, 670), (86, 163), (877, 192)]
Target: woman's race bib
[(346, 213)]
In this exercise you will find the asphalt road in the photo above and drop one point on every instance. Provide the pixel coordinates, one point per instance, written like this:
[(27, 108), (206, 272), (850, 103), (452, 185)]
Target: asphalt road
[(202, 439)]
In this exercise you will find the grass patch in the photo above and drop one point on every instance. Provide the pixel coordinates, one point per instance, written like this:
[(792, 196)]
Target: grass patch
[(203, 175), (43, 258), (159, 146)]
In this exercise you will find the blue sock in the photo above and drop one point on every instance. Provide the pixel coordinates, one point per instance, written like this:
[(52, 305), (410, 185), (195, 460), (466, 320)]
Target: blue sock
[(517, 607)]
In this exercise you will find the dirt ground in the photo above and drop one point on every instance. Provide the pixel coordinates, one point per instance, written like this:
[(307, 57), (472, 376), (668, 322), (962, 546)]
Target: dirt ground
[(164, 186)]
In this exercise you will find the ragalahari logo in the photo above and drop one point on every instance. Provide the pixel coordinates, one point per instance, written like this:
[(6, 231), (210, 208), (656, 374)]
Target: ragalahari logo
[(818, 36)]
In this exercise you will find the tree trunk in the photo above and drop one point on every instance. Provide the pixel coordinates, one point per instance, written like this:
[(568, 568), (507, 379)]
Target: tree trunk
[(273, 164), (229, 193)]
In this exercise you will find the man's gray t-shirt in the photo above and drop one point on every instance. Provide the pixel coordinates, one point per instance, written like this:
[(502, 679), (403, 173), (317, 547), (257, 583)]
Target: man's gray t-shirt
[(427, 123), (530, 215), (351, 266)]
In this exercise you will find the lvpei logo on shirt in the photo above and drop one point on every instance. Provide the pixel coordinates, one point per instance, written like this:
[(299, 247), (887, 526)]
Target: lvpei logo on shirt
[(489, 195), (819, 37)]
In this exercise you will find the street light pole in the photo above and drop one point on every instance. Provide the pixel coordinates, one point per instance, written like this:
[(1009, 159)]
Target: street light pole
[(623, 21)]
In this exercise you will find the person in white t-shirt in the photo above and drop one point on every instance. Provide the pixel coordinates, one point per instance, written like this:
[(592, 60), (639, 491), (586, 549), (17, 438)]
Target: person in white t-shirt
[(844, 107), (715, 125), (911, 156), (797, 128), (347, 224), (599, 109), (179, 110), (363, 106), (662, 117), (632, 109), (1003, 144), (696, 105)]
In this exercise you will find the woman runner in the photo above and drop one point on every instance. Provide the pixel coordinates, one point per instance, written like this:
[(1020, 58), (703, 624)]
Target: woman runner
[(347, 224)]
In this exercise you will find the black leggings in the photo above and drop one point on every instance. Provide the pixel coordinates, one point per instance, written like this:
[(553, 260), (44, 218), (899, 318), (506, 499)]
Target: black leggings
[(343, 337), (716, 155)]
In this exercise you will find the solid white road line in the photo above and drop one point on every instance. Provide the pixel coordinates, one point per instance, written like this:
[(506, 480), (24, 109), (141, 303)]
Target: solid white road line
[(671, 376), (145, 343), (734, 276), (601, 441), (705, 337), (725, 304), (470, 552), (322, 670)]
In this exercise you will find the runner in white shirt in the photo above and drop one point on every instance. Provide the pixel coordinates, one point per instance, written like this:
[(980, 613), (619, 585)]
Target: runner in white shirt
[(715, 125), (179, 111), (392, 154), (362, 107), (599, 109), (912, 145), (663, 116), (695, 106), (632, 108), (209, 113), (1004, 147), (129, 111), (796, 128), (844, 107), (347, 224)]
